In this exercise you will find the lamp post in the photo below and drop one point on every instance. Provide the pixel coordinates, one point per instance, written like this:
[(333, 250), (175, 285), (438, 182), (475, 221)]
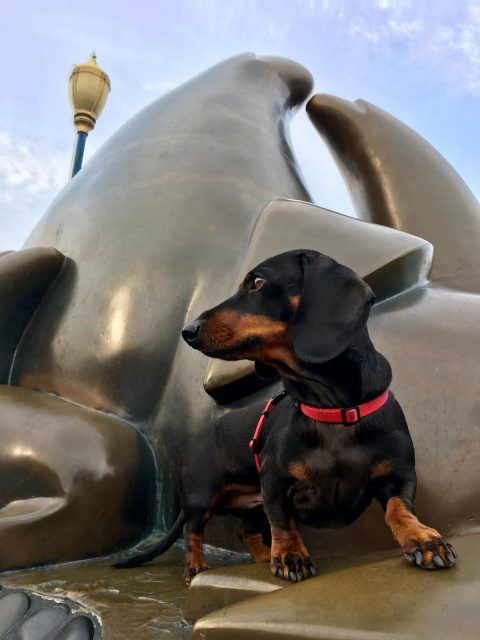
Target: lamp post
[(88, 89)]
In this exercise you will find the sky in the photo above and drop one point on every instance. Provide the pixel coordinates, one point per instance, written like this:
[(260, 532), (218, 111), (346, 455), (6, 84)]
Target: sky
[(420, 61)]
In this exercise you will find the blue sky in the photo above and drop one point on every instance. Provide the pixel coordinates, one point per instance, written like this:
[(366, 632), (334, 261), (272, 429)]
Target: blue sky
[(419, 61)]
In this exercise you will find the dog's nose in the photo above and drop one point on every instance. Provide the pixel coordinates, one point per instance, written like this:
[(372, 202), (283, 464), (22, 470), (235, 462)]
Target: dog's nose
[(191, 330)]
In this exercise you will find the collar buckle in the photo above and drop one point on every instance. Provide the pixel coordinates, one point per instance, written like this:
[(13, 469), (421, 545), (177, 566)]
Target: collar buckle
[(350, 416)]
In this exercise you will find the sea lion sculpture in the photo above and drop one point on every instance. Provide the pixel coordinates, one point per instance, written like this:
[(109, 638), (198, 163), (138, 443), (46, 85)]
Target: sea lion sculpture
[(153, 229), (158, 226)]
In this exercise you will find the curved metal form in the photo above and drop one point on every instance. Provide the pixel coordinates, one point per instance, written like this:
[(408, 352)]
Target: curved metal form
[(159, 226), (391, 261), (164, 208), (25, 277), (398, 179), (24, 614), (75, 483)]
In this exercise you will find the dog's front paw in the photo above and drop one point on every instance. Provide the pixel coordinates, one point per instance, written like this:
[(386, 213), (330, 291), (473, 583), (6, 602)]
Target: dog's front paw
[(430, 552), (191, 571), (292, 566)]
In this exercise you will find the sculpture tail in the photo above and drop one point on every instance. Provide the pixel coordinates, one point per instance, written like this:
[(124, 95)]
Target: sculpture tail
[(156, 548)]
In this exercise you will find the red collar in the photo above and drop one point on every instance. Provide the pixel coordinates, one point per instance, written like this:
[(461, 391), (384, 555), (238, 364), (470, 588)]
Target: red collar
[(338, 416), (253, 444), (344, 416)]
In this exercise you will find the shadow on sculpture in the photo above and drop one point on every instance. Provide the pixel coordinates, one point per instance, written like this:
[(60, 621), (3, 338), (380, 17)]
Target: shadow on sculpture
[(97, 390)]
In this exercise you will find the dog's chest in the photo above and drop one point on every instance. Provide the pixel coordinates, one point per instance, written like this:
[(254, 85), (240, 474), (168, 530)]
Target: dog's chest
[(323, 466), (333, 474)]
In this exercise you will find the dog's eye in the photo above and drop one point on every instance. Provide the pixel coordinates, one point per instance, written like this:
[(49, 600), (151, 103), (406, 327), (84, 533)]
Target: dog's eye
[(257, 283)]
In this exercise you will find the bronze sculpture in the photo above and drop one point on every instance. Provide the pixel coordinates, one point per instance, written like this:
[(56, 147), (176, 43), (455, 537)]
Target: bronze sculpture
[(203, 181)]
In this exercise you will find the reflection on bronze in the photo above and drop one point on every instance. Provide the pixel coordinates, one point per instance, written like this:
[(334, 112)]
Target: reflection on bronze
[(157, 227), (391, 261), (24, 279), (397, 179), (377, 600), (74, 482), (175, 186), (25, 614)]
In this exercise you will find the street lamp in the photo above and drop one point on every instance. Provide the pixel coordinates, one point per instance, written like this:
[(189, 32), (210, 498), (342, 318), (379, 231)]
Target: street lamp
[(88, 89)]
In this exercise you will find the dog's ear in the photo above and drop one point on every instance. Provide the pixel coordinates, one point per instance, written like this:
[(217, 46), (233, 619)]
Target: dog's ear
[(334, 305), (265, 372)]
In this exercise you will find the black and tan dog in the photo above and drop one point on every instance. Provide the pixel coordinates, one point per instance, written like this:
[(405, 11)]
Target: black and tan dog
[(336, 438)]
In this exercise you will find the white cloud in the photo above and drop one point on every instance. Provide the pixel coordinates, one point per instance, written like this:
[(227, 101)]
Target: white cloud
[(444, 38), (456, 50), (31, 174), (380, 25)]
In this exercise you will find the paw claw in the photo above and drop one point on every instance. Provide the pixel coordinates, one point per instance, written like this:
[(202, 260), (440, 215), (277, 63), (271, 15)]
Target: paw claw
[(292, 567), (438, 562), (433, 553), (451, 550)]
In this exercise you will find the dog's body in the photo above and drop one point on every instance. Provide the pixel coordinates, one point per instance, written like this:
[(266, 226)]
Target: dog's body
[(304, 316)]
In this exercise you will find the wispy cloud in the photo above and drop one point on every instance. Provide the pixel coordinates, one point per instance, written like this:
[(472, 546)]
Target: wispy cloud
[(456, 49), (444, 38), (395, 53), (439, 37), (31, 174), (379, 26)]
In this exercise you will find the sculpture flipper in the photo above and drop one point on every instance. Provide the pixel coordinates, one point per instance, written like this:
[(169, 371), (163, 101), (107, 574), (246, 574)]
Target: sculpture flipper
[(396, 178), (25, 277), (391, 261)]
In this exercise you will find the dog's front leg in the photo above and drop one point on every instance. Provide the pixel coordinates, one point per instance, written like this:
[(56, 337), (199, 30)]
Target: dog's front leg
[(289, 556), (421, 545)]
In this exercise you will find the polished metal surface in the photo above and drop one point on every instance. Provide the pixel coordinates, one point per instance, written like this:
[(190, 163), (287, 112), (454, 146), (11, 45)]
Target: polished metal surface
[(165, 206), (159, 226), (144, 603), (74, 482), (396, 178), (26, 615), (147, 227), (155, 227), (383, 600), (25, 277), (391, 261)]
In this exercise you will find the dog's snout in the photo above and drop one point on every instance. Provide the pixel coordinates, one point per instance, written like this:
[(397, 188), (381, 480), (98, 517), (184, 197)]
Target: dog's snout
[(190, 331)]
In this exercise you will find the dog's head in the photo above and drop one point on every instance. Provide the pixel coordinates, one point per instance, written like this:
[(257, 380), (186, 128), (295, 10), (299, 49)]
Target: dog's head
[(297, 307)]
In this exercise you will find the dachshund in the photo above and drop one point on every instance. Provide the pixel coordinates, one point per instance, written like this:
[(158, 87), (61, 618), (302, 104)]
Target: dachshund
[(322, 450)]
